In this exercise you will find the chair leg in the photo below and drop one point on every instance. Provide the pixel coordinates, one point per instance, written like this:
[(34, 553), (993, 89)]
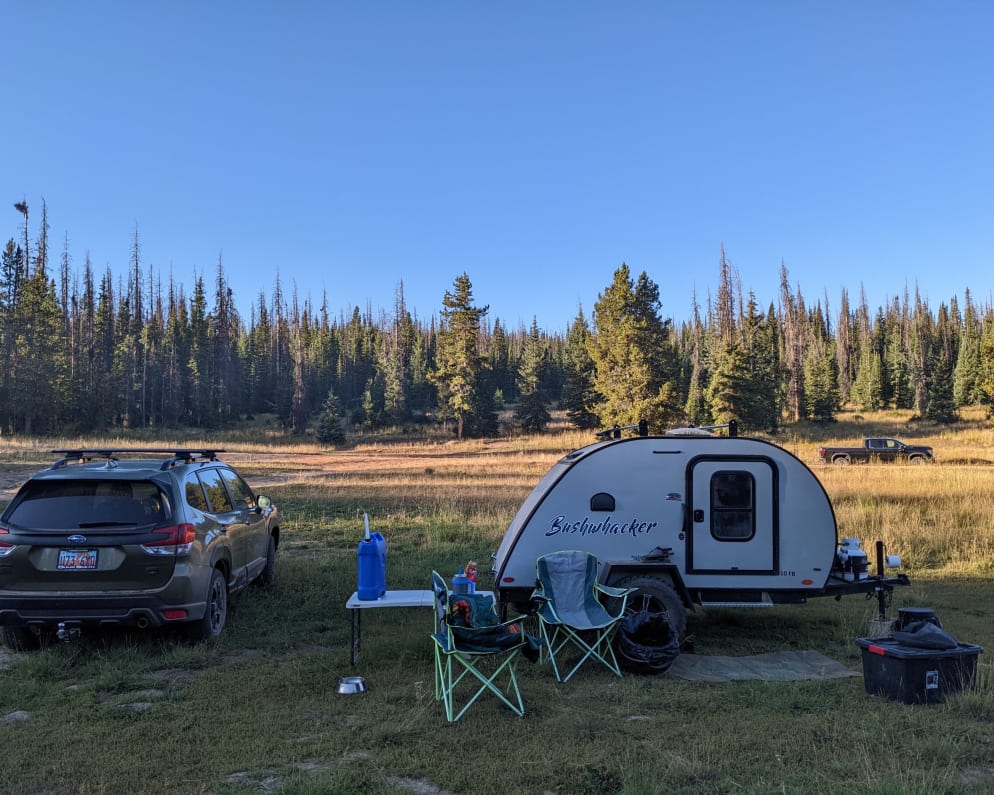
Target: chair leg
[(563, 636), (447, 681)]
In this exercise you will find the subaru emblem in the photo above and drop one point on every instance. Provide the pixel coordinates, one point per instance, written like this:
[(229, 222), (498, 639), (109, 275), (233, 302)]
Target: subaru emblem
[(77, 539)]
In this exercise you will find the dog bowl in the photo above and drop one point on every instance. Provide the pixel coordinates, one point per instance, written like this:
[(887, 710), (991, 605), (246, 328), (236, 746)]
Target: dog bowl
[(350, 685)]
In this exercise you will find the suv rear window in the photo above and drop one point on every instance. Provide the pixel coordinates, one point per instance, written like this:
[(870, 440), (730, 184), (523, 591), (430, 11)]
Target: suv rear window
[(75, 504)]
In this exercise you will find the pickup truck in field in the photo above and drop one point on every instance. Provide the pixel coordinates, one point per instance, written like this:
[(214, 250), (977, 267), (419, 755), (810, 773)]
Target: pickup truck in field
[(876, 449)]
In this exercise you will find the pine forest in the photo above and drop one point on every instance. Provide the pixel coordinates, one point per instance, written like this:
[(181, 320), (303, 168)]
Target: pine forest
[(89, 352)]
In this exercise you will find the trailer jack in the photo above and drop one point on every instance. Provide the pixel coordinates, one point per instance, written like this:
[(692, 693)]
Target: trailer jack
[(66, 632)]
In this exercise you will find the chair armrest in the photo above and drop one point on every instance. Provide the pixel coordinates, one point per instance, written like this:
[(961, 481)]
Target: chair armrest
[(610, 590)]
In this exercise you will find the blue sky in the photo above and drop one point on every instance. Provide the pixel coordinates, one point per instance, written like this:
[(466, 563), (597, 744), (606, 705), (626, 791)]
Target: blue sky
[(353, 146)]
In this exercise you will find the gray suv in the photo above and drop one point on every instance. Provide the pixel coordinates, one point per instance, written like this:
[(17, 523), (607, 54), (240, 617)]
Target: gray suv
[(100, 540)]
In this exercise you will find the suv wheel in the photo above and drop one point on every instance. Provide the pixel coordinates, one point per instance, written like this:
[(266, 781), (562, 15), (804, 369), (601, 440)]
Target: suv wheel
[(216, 614)]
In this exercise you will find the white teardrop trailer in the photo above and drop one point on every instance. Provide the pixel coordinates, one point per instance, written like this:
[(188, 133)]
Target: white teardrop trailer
[(690, 518)]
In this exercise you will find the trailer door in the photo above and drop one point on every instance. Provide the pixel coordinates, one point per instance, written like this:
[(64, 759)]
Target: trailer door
[(733, 517)]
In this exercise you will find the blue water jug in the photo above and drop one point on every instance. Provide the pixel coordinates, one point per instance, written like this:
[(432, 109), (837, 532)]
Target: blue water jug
[(372, 566), (460, 583)]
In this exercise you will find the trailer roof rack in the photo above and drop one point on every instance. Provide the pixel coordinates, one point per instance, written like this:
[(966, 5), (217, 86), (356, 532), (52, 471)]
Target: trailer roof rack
[(83, 455)]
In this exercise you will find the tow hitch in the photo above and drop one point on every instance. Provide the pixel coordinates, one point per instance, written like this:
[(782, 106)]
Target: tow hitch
[(67, 632)]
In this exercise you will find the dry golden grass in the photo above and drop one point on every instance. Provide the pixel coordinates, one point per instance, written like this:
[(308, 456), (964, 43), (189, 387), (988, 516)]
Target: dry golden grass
[(271, 677)]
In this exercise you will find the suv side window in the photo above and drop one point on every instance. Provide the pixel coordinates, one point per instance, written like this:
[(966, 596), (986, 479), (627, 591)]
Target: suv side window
[(195, 493), (217, 494), (241, 494)]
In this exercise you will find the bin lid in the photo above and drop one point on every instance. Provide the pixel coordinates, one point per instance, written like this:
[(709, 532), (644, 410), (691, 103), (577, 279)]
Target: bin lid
[(888, 647)]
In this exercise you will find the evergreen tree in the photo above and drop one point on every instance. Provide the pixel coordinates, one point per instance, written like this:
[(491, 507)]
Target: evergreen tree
[(821, 382), (697, 408), (795, 346), (633, 355), (37, 366), (459, 373), (531, 410), (395, 361), (745, 385), (940, 406), (844, 337), (578, 395), (329, 429), (501, 358), (867, 389), (967, 373), (985, 385)]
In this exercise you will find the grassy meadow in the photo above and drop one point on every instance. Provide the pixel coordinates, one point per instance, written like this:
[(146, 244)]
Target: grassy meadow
[(257, 711)]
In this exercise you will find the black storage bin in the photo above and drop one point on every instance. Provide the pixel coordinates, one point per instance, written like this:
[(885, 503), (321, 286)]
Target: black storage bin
[(914, 675)]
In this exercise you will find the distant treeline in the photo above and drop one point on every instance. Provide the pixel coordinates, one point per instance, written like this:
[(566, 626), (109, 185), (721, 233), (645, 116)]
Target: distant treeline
[(86, 353)]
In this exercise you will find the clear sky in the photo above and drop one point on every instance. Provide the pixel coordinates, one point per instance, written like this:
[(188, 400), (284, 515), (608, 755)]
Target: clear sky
[(353, 146)]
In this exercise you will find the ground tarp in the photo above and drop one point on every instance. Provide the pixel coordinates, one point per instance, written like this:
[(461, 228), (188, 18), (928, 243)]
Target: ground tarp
[(780, 666)]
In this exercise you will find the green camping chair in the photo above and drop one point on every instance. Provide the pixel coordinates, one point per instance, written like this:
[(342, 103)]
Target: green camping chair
[(570, 613), (469, 635)]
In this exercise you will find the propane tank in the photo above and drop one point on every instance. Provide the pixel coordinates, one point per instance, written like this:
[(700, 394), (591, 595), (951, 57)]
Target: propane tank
[(852, 559)]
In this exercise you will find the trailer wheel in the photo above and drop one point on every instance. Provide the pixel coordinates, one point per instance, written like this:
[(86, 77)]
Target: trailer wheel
[(655, 595), (841, 461)]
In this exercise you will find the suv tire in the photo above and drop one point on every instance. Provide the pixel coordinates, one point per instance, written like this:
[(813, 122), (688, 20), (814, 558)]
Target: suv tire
[(216, 612)]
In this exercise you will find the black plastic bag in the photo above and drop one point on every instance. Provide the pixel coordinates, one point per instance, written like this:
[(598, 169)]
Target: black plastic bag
[(646, 643), (924, 635)]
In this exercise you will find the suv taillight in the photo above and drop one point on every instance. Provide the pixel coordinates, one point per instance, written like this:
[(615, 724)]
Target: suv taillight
[(177, 540), (5, 546)]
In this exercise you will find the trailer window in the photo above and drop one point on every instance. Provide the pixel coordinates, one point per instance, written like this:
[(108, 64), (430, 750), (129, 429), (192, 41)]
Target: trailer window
[(733, 506)]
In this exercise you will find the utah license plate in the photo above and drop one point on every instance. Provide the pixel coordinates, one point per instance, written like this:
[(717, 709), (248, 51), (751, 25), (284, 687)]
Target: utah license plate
[(77, 559)]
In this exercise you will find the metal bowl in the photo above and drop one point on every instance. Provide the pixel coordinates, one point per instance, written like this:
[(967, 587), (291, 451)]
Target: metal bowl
[(350, 685)]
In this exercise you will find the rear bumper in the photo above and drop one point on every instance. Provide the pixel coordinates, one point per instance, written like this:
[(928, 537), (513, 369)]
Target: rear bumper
[(93, 611)]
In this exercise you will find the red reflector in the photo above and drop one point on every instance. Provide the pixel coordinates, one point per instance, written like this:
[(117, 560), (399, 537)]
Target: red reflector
[(807, 582), (874, 649), (173, 615), (508, 579)]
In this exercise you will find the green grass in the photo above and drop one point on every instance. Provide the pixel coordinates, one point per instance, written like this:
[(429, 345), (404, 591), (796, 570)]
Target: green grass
[(257, 710)]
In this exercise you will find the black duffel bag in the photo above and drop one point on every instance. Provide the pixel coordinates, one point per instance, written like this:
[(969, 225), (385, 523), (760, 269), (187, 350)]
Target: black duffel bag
[(645, 643)]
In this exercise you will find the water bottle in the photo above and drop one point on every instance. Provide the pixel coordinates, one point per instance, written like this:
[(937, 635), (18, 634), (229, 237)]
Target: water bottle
[(460, 584)]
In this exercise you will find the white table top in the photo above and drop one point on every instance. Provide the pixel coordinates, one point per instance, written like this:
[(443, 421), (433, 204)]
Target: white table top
[(393, 599), (396, 599)]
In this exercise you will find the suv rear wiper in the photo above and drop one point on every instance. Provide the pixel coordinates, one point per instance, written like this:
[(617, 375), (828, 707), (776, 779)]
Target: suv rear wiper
[(83, 525)]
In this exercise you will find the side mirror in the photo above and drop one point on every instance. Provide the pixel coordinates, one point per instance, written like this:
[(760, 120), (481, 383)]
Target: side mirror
[(264, 502)]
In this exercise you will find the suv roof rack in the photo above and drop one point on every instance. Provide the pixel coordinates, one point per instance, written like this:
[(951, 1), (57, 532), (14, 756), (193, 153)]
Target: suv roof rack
[(83, 455)]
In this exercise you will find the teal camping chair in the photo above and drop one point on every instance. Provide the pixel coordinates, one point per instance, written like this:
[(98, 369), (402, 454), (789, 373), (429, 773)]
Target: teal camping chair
[(570, 613), (469, 635)]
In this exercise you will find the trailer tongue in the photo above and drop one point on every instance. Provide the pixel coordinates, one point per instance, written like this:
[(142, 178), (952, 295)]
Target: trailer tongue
[(691, 519)]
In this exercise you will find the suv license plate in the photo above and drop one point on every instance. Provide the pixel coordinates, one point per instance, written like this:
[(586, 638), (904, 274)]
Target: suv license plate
[(77, 559)]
